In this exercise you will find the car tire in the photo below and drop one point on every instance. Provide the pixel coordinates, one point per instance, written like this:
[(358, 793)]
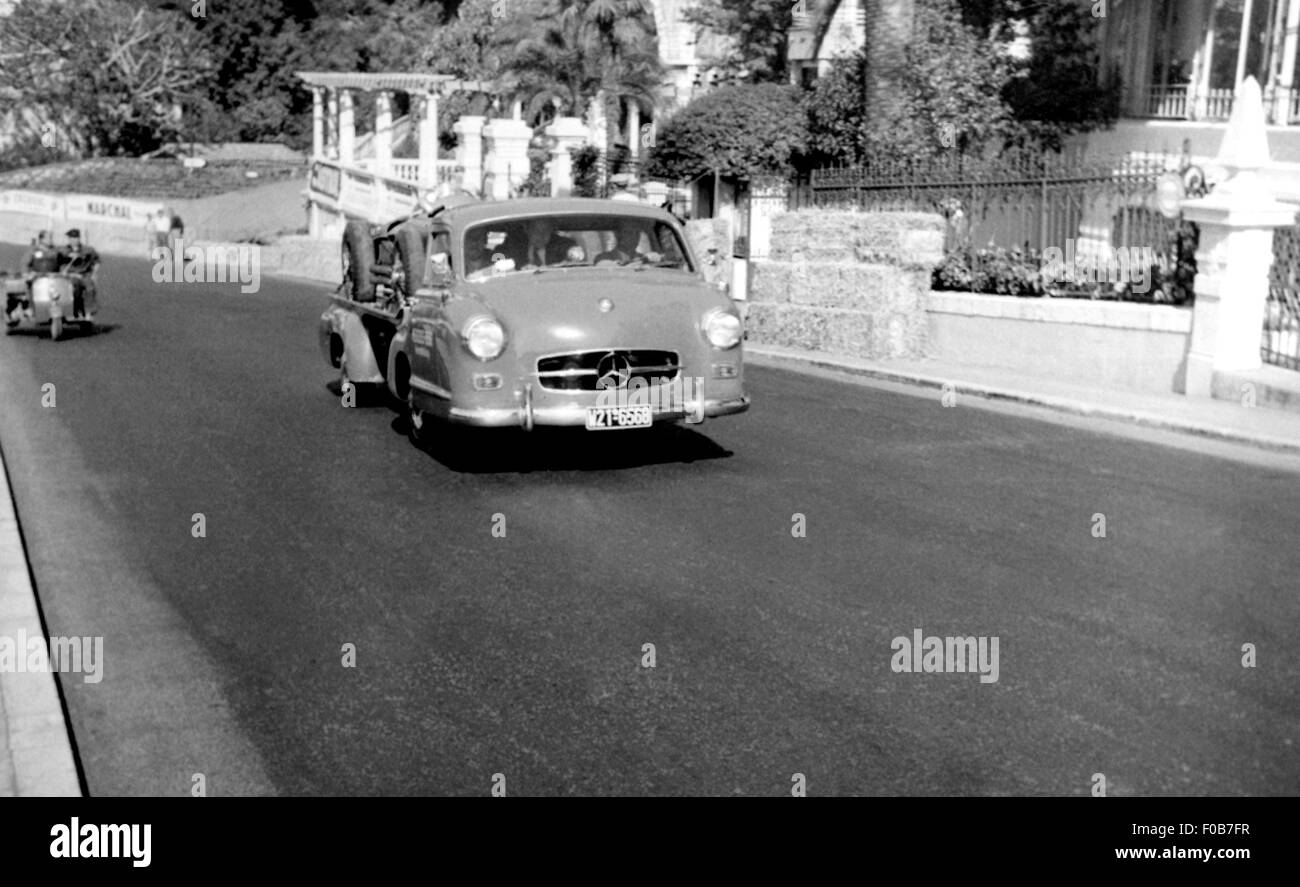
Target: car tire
[(410, 254), (56, 328), (358, 256)]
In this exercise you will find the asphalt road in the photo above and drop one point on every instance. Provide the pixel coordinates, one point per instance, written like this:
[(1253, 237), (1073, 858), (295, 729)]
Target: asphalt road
[(479, 655)]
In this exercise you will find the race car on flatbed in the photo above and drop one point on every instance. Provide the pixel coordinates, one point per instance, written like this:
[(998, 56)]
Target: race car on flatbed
[(537, 312)]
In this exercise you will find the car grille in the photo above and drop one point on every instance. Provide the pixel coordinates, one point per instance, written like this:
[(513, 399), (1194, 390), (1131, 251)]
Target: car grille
[(582, 370)]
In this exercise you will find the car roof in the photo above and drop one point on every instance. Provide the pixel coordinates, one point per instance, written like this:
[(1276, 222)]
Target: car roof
[(492, 210)]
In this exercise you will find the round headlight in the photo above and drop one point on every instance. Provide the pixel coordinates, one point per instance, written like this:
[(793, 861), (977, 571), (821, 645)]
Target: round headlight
[(722, 328), (484, 338)]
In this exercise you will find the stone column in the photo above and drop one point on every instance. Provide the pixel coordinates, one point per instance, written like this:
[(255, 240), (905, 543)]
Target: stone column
[(1140, 95), (347, 129), (1237, 221), (332, 124), (1202, 105), (429, 140), (384, 133), (1243, 43), (469, 151), (597, 123), (568, 133), (507, 155), (1286, 84), (317, 123), (633, 129)]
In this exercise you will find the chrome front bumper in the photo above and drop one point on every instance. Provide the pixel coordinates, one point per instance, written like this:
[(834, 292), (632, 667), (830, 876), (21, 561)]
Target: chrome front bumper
[(527, 415)]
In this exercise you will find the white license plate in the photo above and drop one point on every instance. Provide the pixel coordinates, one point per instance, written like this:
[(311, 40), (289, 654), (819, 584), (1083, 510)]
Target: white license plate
[(609, 418)]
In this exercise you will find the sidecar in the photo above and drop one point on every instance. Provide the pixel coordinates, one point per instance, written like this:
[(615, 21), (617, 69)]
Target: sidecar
[(51, 303)]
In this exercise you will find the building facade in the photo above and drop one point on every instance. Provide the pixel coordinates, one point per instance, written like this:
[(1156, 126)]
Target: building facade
[(1184, 59)]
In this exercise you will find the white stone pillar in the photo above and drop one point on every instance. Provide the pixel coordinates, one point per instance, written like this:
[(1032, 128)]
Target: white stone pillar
[(1243, 43), (383, 140), (332, 125), (1237, 221), (347, 129), (317, 123), (568, 133), (429, 140), (469, 151), (507, 155)]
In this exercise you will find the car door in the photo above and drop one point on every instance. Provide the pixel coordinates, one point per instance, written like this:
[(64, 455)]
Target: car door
[(428, 339)]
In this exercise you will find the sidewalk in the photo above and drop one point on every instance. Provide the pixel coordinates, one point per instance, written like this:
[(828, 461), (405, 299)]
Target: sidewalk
[(1263, 427), (35, 751)]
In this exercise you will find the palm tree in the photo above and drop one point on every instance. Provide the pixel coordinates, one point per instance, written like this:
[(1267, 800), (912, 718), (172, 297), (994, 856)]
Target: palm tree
[(568, 55)]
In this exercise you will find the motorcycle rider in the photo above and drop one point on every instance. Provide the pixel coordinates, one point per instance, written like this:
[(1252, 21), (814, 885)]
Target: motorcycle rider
[(79, 261)]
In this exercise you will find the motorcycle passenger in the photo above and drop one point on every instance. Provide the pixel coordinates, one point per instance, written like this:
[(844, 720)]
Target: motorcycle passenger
[(80, 262)]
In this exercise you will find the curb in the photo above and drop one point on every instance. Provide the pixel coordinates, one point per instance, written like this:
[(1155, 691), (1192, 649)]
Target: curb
[(36, 758), (776, 358)]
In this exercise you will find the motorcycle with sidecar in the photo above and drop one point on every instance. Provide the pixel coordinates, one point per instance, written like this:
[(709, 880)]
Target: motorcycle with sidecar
[(50, 301)]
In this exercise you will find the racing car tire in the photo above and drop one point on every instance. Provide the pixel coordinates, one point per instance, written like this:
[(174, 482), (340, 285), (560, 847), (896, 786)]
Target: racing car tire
[(359, 255), (410, 252)]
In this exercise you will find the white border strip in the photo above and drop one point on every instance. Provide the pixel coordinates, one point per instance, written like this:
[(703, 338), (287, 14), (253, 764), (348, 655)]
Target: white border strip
[(35, 751)]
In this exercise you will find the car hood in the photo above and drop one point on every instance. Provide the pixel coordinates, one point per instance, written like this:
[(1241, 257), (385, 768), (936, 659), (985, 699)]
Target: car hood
[(560, 309)]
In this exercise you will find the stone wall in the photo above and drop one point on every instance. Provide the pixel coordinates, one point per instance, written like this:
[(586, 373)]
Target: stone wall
[(849, 283)]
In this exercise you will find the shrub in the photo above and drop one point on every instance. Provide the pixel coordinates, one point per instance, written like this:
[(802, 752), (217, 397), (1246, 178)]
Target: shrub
[(586, 171), (739, 131)]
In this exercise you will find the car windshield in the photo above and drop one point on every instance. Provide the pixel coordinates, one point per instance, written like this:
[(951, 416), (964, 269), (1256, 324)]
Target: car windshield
[(543, 243)]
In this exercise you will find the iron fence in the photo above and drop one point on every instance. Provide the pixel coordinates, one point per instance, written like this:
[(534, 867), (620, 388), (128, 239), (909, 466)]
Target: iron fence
[(1280, 345), (1004, 213)]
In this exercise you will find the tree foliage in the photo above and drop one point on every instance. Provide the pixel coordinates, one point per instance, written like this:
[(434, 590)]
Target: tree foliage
[(1058, 90), (566, 53), (99, 76), (739, 131), (945, 95), (755, 32)]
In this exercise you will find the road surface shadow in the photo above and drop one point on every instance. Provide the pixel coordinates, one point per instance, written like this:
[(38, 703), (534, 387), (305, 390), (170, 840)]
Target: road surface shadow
[(511, 450), (366, 394), (70, 331)]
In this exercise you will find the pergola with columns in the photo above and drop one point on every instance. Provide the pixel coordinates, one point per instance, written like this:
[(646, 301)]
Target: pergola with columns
[(334, 135), (491, 157)]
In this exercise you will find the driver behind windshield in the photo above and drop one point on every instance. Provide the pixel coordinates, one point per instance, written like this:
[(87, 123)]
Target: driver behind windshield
[(627, 246), (43, 257)]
